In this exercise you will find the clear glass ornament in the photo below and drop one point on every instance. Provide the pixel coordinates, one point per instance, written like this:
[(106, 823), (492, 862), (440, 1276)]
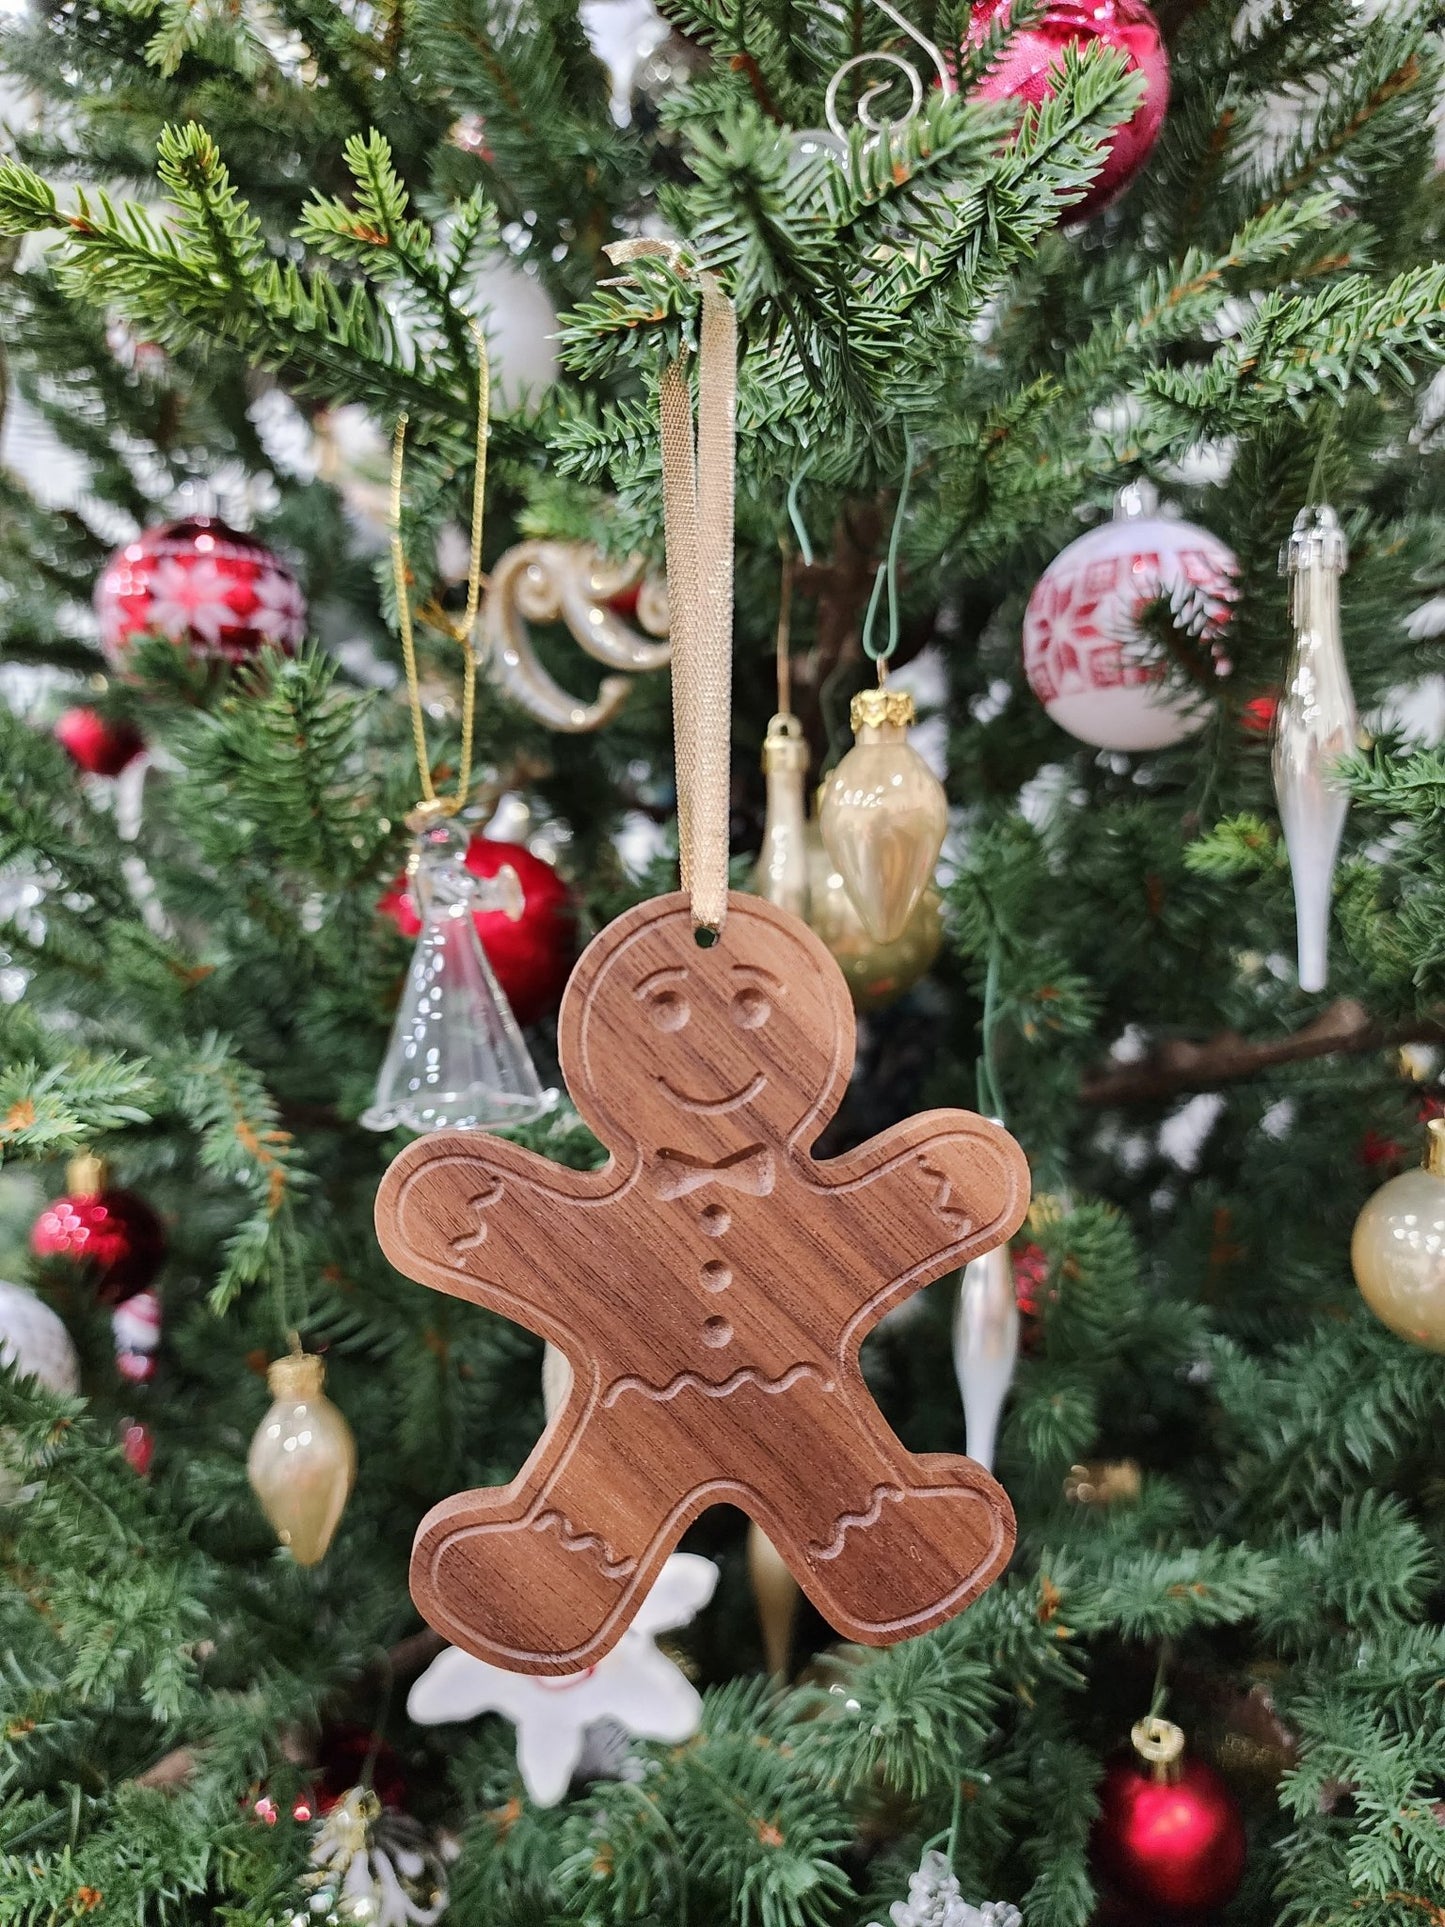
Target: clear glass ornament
[(935, 1900), (1398, 1249), (985, 1348), (375, 1866), (457, 1059), (782, 872), (1315, 724), (302, 1461), (884, 815)]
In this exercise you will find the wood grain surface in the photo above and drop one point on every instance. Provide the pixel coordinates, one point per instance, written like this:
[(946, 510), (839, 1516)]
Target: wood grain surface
[(711, 1286)]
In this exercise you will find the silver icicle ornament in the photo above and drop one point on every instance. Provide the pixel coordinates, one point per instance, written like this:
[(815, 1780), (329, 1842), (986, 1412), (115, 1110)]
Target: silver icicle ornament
[(985, 1347), (1315, 725)]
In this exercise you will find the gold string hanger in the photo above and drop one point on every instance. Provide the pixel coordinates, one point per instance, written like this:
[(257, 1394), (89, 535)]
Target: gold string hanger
[(461, 630), (698, 461)]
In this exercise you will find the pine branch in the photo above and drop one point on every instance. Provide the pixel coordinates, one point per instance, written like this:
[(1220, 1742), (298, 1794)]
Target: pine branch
[(1345, 1028)]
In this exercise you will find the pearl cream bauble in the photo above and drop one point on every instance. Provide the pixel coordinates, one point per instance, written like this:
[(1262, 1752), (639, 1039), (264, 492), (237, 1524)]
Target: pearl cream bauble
[(302, 1461), (34, 1342), (1398, 1250)]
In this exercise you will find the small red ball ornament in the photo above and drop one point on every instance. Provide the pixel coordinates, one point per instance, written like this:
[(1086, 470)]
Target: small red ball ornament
[(1169, 1833), (112, 1234), (532, 957), (1033, 57), (95, 743), (218, 594)]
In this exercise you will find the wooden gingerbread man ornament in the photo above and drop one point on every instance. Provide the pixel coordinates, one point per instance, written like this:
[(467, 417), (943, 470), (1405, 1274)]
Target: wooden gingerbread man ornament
[(711, 1286)]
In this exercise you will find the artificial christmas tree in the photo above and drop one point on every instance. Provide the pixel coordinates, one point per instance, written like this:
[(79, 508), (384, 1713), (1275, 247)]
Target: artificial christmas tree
[(964, 323)]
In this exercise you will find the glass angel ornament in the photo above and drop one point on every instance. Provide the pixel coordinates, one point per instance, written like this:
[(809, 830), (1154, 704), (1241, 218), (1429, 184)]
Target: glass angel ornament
[(457, 1059), (1314, 725)]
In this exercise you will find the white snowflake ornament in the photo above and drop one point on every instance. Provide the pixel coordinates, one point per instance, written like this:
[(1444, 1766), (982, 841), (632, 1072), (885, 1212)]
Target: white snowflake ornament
[(934, 1900), (635, 1685)]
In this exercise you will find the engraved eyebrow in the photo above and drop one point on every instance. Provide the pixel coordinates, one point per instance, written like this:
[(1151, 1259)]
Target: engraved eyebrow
[(773, 983), (672, 974)]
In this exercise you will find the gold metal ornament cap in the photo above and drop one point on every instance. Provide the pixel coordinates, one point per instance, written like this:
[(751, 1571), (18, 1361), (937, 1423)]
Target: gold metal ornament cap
[(784, 747), (878, 708), (86, 1175), (1160, 1744), (1434, 1159), (297, 1375)]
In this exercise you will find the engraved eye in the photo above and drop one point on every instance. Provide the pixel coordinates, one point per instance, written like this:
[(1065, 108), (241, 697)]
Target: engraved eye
[(667, 1010), (751, 1009)]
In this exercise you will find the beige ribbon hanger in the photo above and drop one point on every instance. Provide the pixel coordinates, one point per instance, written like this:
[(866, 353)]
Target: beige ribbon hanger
[(697, 504)]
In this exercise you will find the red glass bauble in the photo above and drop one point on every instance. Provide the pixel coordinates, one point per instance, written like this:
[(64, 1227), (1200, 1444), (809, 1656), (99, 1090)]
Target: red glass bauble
[(220, 595), (113, 1234), (96, 744), (533, 956), (1026, 69), (1174, 1845)]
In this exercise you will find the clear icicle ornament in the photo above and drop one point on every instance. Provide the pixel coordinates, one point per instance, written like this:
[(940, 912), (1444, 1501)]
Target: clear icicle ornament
[(1315, 724), (884, 814), (457, 1059), (782, 872), (985, 1348)]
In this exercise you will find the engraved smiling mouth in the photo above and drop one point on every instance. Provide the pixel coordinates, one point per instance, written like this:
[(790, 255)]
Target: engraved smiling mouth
[(714, 1105)]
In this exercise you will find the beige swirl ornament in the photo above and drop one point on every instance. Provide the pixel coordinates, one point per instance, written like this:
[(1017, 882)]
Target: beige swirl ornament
[(545, 581)]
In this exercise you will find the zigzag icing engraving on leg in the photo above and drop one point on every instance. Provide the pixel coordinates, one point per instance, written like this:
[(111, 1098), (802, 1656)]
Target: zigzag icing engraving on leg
[(574, 1541)]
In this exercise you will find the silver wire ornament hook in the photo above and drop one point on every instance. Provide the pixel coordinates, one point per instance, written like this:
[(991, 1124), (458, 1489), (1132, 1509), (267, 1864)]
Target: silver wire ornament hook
[(863, 112)]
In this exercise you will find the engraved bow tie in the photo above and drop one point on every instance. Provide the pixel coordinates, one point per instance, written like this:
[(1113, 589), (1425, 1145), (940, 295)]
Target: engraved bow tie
[(675, 1174)]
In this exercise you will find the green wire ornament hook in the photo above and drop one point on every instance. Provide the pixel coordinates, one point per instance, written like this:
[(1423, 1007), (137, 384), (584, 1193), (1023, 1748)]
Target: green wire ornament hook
[(795, 515), (990, 1097), (887, 573)]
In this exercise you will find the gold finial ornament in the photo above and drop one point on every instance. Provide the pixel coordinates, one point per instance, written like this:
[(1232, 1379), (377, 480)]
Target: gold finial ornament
[(884, 814), (1398, 1248), (782, 870), (302, 1461)]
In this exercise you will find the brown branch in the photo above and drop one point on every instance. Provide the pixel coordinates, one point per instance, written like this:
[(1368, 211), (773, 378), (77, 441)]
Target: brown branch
[(1346, 1028)]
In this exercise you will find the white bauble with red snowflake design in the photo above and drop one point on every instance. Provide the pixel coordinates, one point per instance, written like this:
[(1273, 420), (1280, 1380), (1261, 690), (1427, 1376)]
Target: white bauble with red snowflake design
[(216, 593), (1098, 676)]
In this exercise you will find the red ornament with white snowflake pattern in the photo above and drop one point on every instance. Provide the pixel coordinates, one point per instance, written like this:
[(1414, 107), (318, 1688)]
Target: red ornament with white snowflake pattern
[(111, 1235), (1098, 676), (216, 593), (1030, 66)]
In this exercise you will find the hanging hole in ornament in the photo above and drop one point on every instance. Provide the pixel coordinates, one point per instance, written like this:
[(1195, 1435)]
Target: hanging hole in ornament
[(706, 935)]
